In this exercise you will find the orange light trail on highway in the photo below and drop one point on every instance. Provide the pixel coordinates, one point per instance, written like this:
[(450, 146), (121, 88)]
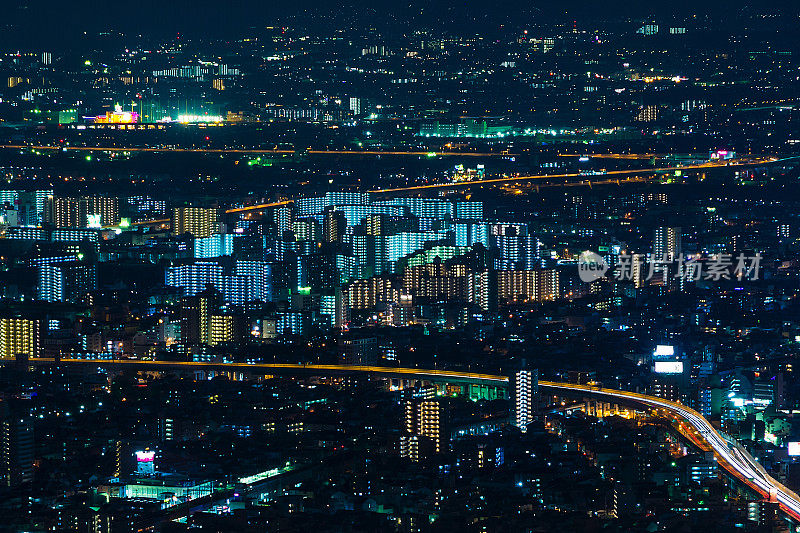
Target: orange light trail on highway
[(588, 177), (254, 151)]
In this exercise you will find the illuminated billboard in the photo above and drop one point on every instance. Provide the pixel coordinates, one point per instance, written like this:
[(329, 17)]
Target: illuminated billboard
[(145, 456), (192, 119), (668, 367), (664, 350), (793, 448)]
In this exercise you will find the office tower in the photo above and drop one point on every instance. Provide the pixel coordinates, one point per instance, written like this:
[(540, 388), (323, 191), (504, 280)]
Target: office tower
[(66, 282), (423, 434), (199, 221), (16, 447), (525, 394), (666, 242), (334, 226), (19, 336)]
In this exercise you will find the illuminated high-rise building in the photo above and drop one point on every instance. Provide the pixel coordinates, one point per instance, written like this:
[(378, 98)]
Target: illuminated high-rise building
[(221, 329), (66, 282), (468, 209), (666, 242), (527, 285), (62, 212), (260, 276), (525, 392), (367, 293), (436, 281), (334, 226), (196, 277), (199, 221), (480, 288), (19, 336), (282, 216), (355, 105), (306, 229), (549, 287), (16, 447), (31, 207), (375, 224), (215, 245), (99, 211), (196, 317), (423, 433), (90, 211), (237, 289)]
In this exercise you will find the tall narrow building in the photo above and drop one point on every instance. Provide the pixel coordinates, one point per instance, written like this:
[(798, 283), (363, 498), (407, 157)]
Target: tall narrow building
[(666, 242), (525, 395), (16, 448), (423, 433)]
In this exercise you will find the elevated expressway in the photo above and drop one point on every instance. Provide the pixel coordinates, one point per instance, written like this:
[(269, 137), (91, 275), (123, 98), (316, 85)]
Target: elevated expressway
[(728, 453)]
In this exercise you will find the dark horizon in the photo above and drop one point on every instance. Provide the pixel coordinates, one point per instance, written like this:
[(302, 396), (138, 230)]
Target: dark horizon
[(32, 23)]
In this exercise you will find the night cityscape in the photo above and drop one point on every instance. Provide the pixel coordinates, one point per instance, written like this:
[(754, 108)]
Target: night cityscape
[(419, 267)]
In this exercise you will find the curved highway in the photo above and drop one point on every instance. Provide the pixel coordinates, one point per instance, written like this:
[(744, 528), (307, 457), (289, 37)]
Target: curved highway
[(728, 453)]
